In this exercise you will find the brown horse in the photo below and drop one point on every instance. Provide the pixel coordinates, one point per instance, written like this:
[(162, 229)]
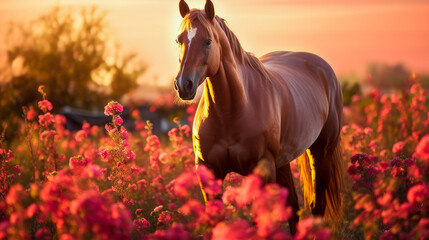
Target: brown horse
[(273, 109)]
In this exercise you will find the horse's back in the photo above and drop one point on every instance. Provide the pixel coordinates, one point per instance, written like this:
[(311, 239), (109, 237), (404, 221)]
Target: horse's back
[(308, 88)]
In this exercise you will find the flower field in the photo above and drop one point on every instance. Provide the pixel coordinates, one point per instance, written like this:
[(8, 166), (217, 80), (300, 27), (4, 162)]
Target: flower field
[(109, 183)]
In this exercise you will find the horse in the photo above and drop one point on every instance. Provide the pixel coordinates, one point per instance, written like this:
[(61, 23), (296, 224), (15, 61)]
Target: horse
[(280, 107)]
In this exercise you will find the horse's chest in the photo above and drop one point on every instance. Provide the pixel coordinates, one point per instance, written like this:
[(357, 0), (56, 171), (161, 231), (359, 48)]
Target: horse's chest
[(226, 155)]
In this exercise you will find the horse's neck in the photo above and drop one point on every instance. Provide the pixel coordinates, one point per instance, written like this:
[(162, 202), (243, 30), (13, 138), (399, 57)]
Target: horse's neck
[(225, 92)]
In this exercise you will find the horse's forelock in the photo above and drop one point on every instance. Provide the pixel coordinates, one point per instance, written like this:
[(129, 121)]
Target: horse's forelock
[(196, 15)]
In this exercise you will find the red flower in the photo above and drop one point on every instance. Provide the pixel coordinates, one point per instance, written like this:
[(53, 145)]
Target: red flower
[(422, 149), (418, 193), (250, 188), (45, 105), (31, 114), (237, 230), (398, 147), (46, 119), (16, 194), (212, 186), (184, 184), (43, 233), (113, 108), (141, 224), (78, 163), (32, 210), (186, 129), (118, 121)]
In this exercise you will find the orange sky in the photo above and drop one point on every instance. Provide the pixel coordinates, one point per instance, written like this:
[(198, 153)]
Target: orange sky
[(347, 33)]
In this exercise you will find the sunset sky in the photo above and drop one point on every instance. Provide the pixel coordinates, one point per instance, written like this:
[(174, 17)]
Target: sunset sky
[(346, 33)]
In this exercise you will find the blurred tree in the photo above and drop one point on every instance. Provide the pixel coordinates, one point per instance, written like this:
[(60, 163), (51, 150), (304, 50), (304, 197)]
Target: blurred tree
[(388, 77), (72, 56), (350, 89)]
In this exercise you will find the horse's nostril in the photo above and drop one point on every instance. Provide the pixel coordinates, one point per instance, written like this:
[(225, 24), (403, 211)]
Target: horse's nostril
[(189, 85)]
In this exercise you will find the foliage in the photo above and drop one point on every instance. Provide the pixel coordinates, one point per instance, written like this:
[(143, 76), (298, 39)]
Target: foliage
[(387, 77), (127, 185), (70, 54)]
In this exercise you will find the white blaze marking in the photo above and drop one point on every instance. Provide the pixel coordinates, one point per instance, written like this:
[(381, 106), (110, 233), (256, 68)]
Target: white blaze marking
[(191, 35)]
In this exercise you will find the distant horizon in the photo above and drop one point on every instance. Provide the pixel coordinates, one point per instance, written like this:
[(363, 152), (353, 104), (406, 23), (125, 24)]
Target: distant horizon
[(347, 34)]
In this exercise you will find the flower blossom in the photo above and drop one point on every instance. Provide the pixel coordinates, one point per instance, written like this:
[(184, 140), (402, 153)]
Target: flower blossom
[(45, 105), (46, 119), (118, 120), (113, 108), (422, 150), (211, 185)]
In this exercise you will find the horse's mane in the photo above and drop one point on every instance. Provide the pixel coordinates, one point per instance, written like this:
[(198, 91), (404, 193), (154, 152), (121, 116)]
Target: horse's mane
[(245, 58)]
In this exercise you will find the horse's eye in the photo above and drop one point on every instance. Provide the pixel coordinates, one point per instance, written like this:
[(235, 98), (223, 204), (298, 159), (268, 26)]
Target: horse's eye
[(208, 42)]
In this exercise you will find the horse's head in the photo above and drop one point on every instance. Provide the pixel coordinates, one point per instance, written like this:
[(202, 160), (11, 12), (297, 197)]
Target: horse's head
[(199, 49)]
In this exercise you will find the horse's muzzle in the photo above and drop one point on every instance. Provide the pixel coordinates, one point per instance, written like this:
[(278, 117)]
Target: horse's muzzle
[(186, 89)]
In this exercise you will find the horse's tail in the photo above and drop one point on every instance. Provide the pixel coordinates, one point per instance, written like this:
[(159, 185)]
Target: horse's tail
[(333, 210), (307, 177)]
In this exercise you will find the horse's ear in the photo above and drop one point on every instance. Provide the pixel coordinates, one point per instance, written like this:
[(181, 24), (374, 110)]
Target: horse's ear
[(209, 8), (184, 8)]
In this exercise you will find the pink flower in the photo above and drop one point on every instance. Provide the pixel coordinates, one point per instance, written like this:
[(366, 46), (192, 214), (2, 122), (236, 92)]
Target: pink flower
[(398, 147), (31, 114), (124, 133), (236, 230), (60, 120), (249, 189), (172, 206), (125, 143), (418, 193), (173, 133), (270, 210), (106, 155), (113, 108), (352, 169), (229, 195), (32, 210), (177, 231), (311, 228), (96, 214), (46, 119), (211, 185), (94, 171), (185, 184), (78, 163), (214, 208), (43, 233), (158, 208), (165, 218), (141, 224), (192, 207), (67, 236), (108, 193), (129, 154), (152, 143), (4, 225), (142, 183), (423, 226), (81, 135), (118, 121), (45, 105), (186, 129), (422, 149), (16, 194)]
